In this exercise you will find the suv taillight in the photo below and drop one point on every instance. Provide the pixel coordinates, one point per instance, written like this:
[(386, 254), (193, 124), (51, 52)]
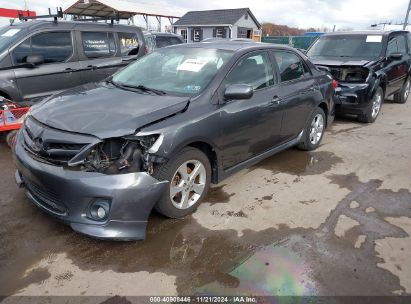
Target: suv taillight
[(335, 83)]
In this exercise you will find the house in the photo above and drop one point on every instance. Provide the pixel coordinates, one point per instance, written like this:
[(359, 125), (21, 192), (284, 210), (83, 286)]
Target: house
[(196, 26)]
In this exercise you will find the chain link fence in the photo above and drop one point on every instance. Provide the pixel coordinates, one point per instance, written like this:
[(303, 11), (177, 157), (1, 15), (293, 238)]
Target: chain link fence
[(300, 42)]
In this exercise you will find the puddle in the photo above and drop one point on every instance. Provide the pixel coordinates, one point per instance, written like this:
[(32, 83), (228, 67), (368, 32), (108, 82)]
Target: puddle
[(217, 195), (273, 261), (298, 162)]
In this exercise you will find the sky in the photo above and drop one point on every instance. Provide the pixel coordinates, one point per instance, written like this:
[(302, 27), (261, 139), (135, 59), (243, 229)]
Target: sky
[(344, 14)]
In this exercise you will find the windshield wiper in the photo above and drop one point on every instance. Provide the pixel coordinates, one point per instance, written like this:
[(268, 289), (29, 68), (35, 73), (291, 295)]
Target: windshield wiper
[(137, 87), (142, 88)]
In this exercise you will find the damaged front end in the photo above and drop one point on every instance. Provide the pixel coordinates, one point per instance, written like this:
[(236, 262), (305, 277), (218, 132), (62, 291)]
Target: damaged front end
[(100, 187), (355, 87)]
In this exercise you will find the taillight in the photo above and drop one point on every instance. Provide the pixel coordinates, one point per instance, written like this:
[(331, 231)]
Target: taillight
[(335, 83)]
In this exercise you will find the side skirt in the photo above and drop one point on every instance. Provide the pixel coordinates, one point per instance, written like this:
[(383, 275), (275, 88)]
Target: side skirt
[(256, 159)]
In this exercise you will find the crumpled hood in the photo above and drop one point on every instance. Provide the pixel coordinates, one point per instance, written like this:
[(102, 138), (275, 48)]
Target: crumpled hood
[(105, 111), (340, 62)]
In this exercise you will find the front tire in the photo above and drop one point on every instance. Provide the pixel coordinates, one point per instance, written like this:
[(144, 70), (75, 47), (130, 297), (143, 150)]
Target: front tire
[(374, 108), (314, 131), (189, 176), (402, 96)]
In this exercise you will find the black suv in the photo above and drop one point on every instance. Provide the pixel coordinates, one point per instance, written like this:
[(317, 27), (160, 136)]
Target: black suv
[(369, 66), (40, 58)]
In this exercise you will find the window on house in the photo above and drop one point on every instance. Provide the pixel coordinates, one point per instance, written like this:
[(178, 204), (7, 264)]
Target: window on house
[(246, 16), (184, 35), (220, 33), (196, 35)]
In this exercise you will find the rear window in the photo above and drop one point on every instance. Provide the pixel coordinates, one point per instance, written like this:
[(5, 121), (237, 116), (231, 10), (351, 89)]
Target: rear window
[(98, 44), (53, 46), (129, 44), (163, 41)]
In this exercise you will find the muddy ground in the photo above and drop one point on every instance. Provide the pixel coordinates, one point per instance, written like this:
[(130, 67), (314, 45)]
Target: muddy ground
[(336, 221)]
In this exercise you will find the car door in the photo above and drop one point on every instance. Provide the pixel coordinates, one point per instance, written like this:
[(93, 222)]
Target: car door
[(296, 92), (250, 127), (396, 69), (98, 55), (59, 70)]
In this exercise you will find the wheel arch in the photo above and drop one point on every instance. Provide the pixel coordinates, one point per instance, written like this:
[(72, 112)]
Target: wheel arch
[(211, 154)]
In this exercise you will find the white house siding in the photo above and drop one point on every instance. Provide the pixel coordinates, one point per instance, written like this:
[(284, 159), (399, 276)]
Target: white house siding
[(207, 32), (249, 23)]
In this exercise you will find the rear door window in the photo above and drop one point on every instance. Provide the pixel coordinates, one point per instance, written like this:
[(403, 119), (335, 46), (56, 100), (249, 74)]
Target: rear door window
[(53, 46), (290, 66), (129, 44), (401, 45), (98, 44), (162, 41), (392, 46)]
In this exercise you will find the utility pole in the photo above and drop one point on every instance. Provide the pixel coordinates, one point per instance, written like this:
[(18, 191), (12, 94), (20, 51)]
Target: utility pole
[(407, 15)]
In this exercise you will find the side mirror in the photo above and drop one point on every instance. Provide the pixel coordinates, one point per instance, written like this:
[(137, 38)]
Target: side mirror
[(238, 91), (396, 56), (35, 60)]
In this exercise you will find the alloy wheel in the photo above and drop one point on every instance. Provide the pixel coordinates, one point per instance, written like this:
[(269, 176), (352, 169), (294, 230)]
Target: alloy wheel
[(188, 184), (376, 104), (407, 89), (317, 129)]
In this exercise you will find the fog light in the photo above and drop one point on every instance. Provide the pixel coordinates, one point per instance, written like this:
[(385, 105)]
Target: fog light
[(99, 210), (101, 213)]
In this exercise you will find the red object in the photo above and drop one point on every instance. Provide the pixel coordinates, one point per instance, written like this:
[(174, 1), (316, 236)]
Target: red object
[(13, 13), (12, 118), (335, 84)]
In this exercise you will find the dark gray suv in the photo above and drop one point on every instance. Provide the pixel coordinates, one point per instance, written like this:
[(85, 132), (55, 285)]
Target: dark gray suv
[(41, 58)]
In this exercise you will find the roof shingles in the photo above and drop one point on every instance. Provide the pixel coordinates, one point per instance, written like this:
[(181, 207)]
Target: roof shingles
[(214, 17)]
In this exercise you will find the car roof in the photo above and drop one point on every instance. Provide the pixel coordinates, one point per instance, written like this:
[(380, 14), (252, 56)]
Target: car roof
[(232, 45), (367, 32), (164, 34), (39, 24)]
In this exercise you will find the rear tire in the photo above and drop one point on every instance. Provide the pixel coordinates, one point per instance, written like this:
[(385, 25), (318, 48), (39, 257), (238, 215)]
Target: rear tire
[(11, 138), (374, 107), (314, 131), (403, 95), (189, 176)]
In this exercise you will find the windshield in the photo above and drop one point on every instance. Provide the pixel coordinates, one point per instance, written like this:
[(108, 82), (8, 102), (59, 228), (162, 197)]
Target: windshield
[(8, 34), (352, 46), (184, 71)]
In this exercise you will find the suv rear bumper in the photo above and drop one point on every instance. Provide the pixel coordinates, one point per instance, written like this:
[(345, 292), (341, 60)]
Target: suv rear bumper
[(68, 196)]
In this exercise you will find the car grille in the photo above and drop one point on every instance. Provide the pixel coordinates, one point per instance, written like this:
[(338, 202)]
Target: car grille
[(50, 145), (46, 198)]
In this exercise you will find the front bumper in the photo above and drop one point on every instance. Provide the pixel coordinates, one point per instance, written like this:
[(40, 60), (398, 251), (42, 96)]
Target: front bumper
[(353, 98), (67, 195)]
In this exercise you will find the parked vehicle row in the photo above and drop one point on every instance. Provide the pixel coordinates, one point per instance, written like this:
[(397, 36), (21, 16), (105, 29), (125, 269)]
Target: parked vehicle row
[(369, 66), (42, 58), (100, 156)]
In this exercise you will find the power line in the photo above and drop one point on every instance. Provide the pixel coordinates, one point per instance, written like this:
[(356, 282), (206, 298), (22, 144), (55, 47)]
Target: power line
[(407, 15)]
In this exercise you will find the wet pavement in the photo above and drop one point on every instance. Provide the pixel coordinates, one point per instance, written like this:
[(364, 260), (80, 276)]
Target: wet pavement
[(336, 221)]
